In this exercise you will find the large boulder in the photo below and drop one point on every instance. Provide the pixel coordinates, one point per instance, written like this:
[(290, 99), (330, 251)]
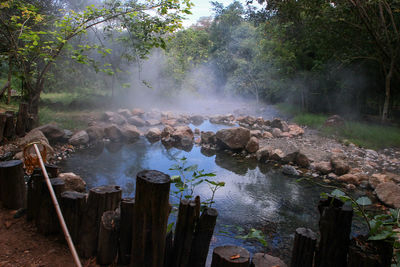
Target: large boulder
[(280, 124), (113, 117), (130, 133), (196, 119), (153, 122), (153, 135), (349, 178), (167, 131), (267, 135), (79, 138), (276, 132), (125, 112), (302, 160), (113, 132), (96, 133), (265, 260), (340, 165), (295, 130), (290, 170), (234, 138), (208, 137), (35, 136), (378, 178), (263, 154), (323, 167), (277, 155), (389, 193), (137, 112), (182, 136), (53, 133), (253, 145), (135, 120), (73, 182)]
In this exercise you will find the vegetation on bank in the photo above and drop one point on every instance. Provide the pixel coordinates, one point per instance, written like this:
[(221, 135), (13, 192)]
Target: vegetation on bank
[(360, 133)]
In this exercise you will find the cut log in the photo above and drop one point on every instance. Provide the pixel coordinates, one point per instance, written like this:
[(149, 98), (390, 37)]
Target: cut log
[(184, 232), (12, 184), (73, 206), (265, 260), (22, 120), (303, 251), (100, 199), (35, 184), (230, 256), (9, 127), (108, 238), (125, 237), (202, 237), (334, 226), (3, 118), (149, 233), (46, 220)]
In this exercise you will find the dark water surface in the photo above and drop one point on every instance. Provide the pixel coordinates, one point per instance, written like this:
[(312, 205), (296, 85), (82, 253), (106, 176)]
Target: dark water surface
[(255, 195)]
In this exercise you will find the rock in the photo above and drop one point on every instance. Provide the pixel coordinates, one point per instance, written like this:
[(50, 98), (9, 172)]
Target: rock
[(267, 135), (276, 132), (222, 119), (53, 133), (263, 154), (135, 120), (208, 137), (153, 122), (332, 176), (281, 125), (323, 167), (265, 260), (114, 118), (35, 136), (277, 155), (253, 145), (153, 135), (248, 120), (289, 170), (130, 133), (182, 136), (349, 178), (67, 134), (389, 193), (113, 132), (196, 119), (170, 122), (79, 138), (295, 130), (334, 121), (378, 178), (137, 112), (96, 133), (167, 131), (350, 187), (372, 153), (234, 138), (256, 133), (107, 115), (339, 165), (73, 182), (197, 131), (125, 112), (302, 160)]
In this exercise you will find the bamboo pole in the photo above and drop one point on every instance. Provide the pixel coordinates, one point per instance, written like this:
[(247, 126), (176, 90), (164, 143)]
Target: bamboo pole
[(58, 210)]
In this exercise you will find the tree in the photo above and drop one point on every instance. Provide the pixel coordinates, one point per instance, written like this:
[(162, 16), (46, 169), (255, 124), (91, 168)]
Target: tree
[(35, 39)]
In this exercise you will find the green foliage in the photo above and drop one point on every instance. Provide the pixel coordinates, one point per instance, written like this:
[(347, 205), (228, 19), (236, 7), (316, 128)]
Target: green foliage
[(251, 235)]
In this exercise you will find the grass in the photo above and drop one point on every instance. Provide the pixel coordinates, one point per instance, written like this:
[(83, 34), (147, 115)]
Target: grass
[(67, 119), (360, 133)]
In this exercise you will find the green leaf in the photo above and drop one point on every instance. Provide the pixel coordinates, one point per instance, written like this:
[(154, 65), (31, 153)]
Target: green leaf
[(338, 193), (382, 235), (364, 201)]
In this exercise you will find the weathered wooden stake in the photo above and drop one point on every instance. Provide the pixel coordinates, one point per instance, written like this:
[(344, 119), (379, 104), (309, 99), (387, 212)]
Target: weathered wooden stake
[(73, 205), (169, 249), (9, 127), (100, 199), (12, 184), (265, 260), (108, 238), (334, 227), (303, 248), (149, 232), (230, 256), (125, 237), (202, 237), (22, 119), (46, 219), (3, 118)]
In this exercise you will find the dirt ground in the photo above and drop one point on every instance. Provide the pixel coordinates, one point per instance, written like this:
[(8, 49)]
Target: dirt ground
[(21, 245)]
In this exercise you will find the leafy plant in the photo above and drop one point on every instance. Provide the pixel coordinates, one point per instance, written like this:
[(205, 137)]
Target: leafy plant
[(252, 235)]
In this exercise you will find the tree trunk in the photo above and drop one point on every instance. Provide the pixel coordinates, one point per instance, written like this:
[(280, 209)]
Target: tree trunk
[(125, 237), (9, 79), (230, 256), (388, 79), (12, 184), (33, 96), (108, 238)]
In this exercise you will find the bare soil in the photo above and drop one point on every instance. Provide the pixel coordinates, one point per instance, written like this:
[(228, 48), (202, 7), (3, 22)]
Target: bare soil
[(22, 245)]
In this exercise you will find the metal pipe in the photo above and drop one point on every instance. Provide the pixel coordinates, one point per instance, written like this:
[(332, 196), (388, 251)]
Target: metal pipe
[(58, 210)]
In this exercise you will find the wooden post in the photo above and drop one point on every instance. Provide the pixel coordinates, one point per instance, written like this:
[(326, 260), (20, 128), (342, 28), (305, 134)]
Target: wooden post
[(3, 118), (184, 232), (149, 233), (9, 127), (370, 253), (334, 226), (22, 119), (12, 184), (108, 238), (46, 219), (101, 199), (303, 248), (125, 237), (230, 256), (358, 258), (265, 260), (169, 249), (73, 206), (202, 237)]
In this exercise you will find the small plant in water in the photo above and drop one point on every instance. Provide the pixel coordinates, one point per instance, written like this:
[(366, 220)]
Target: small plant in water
[(252, 235)]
